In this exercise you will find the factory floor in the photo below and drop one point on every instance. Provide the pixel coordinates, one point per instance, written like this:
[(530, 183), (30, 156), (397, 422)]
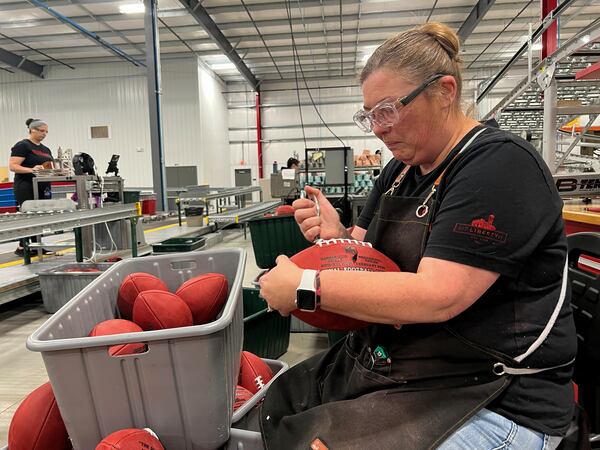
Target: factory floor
[(23, 371)]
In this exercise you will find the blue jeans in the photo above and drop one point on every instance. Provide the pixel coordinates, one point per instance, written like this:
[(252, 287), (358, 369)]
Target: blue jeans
[(490, 431)]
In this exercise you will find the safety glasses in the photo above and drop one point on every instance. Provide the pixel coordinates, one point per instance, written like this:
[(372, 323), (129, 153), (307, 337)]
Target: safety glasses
[(387, 112)]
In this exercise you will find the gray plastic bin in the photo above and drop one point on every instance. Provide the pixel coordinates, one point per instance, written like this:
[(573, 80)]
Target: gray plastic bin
[(278, 367), (244, 440), (59, 285), (182, 387)]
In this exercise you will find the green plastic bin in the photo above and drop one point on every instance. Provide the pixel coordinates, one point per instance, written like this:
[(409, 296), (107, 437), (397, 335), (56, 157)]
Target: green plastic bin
[(335, 336), (274, 236), (176, 245), (266, 333), (131, 196)]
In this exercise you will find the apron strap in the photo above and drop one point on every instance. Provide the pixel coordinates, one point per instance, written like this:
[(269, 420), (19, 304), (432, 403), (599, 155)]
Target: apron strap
[(402, 174), (502, 369), (546, 331)]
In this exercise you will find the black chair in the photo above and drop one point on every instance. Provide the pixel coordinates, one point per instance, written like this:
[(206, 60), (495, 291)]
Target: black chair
[(584, 278)]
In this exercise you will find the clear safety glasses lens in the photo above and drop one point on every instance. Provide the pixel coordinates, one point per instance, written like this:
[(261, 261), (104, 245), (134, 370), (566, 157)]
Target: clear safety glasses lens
[(384, 115)]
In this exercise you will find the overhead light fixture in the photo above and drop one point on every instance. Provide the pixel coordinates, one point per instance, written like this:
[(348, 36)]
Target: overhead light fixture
[(223, 66), (537, 46), (132, 8), (585, 39)]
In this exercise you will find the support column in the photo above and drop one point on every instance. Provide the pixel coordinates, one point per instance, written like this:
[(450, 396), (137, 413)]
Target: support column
[(154, 104), (550, 36), (549, 136), (259, 135), (549, 46)]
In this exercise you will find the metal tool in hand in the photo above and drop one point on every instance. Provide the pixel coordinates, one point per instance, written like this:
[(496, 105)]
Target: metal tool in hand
[(317, 207)]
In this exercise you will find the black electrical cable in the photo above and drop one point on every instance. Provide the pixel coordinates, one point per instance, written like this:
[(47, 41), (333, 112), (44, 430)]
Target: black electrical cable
[(308, 89), (38, 51), (289, 14), (341, 41), (503, 30), (177, 36), (261, 38), (431, 11)]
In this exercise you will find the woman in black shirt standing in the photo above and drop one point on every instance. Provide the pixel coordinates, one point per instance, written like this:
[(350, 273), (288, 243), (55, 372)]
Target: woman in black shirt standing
[(26, 157)]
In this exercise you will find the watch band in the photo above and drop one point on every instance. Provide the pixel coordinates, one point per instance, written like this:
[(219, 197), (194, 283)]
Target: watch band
[(308, 280)]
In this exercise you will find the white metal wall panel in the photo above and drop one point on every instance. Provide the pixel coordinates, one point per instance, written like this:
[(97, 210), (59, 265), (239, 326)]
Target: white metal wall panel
[(282, 133), (213, 126), (116, 95)]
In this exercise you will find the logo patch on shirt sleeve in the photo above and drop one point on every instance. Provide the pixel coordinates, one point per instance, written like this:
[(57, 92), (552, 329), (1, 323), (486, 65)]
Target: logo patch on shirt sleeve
[(481, 230)]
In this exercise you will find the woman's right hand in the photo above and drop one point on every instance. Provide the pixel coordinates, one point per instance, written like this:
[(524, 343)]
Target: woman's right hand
[(325, 225)]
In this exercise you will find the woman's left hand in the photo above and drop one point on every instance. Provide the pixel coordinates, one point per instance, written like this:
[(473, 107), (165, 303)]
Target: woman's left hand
[(278, 285)]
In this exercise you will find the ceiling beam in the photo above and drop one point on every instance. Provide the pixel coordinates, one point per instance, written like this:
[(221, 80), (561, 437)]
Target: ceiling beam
[(268, 6), (21, 63), (199, 13), (365, 32), (90, 35), (473, 19), (411, 17)]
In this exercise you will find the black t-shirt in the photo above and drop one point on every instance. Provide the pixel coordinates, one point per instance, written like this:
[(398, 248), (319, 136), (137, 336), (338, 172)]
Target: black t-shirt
[(498, 209), (34, 154)]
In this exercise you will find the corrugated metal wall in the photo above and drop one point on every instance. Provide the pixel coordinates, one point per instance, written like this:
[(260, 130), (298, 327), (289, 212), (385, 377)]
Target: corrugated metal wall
[(116, 95), (336, 100)]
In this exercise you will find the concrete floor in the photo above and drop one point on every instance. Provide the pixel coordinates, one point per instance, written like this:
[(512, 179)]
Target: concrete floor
[(22, 370)]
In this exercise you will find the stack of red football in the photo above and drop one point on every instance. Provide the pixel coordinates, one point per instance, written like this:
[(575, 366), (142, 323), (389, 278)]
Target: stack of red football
[(145, 304), (254, 375), (131, 439)]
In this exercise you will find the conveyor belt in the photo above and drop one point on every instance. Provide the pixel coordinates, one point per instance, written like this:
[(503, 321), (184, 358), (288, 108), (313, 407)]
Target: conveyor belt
[(21, 225), (220, 193), (241, 215)]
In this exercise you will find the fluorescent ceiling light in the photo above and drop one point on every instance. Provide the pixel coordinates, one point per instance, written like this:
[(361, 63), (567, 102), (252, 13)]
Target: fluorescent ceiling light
[(223, 66), (132, 8), (536, 46), (585, 39)]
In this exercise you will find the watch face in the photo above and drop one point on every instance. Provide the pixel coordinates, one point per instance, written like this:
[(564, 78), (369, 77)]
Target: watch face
[(306, 300)]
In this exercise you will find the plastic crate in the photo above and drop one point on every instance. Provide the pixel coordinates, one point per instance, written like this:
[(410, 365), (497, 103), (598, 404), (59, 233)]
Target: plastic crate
[(244, 440), (8, 209), (61, 284), (182, 387), (274, 236), (184, 244), (277, 367), (334, 336), (9, 202), (131, 196), (266, 333)]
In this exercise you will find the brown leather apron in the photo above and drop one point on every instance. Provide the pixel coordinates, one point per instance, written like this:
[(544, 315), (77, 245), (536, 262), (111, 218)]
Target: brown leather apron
[(383, 387)]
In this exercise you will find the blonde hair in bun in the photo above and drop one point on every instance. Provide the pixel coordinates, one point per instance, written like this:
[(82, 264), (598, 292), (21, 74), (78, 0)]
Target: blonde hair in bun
[(418, 54)]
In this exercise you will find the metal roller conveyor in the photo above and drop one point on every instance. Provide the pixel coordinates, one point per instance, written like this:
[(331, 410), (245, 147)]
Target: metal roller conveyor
[(221, 193), (21, 225), (241, 215)]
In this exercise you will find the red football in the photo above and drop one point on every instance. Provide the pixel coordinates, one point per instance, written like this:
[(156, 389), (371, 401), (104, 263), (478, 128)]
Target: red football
[(284, 210), (130, 439), (132, 285), (117, 326), (205, 295), (340, 254), (254, 373), (242, 395), (37, 424), (157, 310)]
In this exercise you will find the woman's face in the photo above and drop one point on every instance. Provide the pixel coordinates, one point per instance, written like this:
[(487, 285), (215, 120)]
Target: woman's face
[(39, 133), (410, 138)]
